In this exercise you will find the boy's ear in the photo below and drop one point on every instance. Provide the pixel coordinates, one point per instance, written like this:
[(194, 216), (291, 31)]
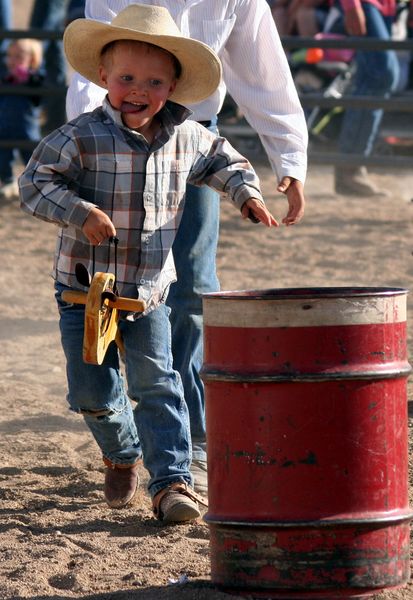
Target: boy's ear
[(103, 76), (172, 87)]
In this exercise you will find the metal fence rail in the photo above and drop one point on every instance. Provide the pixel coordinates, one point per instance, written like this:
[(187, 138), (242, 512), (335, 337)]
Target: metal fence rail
[(400, 104), (397, 103)]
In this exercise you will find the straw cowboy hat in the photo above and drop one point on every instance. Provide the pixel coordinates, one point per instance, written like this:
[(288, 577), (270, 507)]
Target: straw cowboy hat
[(84, 40)]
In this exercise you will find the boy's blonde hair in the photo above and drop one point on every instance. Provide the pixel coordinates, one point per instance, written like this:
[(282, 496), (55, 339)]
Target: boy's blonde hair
[(32, 47), (107, 52)]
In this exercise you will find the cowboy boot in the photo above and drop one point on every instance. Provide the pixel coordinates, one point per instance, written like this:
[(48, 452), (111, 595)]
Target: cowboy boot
[(121, 482), (354, 181)]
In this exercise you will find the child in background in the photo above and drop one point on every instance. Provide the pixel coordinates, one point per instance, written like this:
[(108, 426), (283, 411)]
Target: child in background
[(20, 114), (122, 171)]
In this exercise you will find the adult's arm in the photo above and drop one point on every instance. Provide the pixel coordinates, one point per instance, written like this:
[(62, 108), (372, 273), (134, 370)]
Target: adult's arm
[(259, 79), (354, 17)]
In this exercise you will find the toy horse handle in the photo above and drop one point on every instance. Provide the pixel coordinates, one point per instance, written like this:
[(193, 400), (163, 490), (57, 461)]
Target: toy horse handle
[(119, 302), (102, 308)]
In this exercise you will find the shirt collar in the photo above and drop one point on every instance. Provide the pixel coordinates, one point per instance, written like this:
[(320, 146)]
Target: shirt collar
[(171, 115)]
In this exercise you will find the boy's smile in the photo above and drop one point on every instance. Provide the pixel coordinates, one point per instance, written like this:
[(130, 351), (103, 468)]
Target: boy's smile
[(139, 79), (132, 107)]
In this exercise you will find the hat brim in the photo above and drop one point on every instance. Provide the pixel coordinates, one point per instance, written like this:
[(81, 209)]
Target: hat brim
[(84, 40)]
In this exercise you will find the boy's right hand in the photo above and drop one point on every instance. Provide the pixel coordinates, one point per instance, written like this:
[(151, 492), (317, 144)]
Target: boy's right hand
[(256, 210), (98, 227)]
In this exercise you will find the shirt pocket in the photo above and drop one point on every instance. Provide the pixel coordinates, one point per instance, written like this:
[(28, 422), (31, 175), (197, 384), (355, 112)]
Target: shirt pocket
[(216, 33), (172, 178), (106, 180), (113, 165)]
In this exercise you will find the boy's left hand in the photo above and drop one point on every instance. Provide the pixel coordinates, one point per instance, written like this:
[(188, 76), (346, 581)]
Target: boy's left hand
[(259, 211)]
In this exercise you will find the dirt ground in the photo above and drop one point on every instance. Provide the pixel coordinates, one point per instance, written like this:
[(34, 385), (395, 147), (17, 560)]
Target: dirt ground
[(58, 539)]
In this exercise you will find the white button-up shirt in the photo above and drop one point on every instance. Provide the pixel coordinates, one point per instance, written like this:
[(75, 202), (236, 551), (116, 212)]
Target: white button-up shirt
[(255, 72)]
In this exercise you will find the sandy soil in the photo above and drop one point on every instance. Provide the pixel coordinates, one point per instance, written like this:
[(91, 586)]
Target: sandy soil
[(58, 539)]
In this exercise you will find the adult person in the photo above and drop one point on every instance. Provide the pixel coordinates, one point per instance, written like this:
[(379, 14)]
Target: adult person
[(257, 75), (377, 74), (50, 16)]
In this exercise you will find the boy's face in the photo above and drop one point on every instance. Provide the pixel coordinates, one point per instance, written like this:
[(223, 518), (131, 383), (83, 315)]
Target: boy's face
[(139, 80)]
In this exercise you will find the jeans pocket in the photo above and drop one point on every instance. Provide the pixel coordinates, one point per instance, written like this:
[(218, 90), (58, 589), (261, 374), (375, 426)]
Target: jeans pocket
[(61, 304)]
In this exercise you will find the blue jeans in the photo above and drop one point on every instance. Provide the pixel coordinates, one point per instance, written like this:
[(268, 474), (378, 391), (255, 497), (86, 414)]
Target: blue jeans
[(377, 74), (157, 429), (194, 253), (5, 14), (20, 121), (7, 158), (5, 23)]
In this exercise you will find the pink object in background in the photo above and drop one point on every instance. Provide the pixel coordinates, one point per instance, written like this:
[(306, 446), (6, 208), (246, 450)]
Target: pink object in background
[(335, 54), (20, 74)]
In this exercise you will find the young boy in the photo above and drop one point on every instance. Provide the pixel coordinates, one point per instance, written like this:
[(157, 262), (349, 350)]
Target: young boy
[(121, 171)]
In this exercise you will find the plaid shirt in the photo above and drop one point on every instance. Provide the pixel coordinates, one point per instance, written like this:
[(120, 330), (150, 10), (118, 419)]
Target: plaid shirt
[(95, 160)]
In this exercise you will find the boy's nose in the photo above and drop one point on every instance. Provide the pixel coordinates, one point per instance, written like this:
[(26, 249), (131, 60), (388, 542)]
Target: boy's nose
[(139, 88)]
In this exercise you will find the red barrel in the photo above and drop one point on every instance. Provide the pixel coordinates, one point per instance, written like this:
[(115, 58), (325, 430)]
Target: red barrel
[(306, 408)]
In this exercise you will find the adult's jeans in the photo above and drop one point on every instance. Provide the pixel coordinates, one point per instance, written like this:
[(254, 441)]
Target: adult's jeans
[(377, 74), (5, 14), (50, 15), (20, 120), (158, 427), (194, 251), (7, 158), (5, 23)]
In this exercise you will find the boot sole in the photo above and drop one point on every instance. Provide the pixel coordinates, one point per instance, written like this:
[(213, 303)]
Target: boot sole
[(121, 503)]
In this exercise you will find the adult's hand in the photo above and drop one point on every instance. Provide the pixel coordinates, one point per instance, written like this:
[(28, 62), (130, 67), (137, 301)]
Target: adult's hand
[(294, 190)]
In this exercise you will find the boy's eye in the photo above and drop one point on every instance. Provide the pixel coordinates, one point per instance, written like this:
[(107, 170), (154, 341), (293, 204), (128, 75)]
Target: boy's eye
[(156, 82), (126, 77)]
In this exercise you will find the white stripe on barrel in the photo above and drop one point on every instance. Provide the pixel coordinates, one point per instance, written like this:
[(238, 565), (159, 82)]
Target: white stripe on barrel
[(361, 310)]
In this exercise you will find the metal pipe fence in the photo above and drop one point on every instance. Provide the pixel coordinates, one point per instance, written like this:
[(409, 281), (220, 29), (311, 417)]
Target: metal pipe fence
[(397, 103)]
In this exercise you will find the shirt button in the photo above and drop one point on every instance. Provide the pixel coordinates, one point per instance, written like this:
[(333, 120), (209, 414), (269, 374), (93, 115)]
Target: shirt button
[(142, 281)]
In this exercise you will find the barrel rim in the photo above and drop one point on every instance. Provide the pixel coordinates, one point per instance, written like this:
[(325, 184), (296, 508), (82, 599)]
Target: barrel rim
[(298, 293), (216, 375), (379, 519)]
